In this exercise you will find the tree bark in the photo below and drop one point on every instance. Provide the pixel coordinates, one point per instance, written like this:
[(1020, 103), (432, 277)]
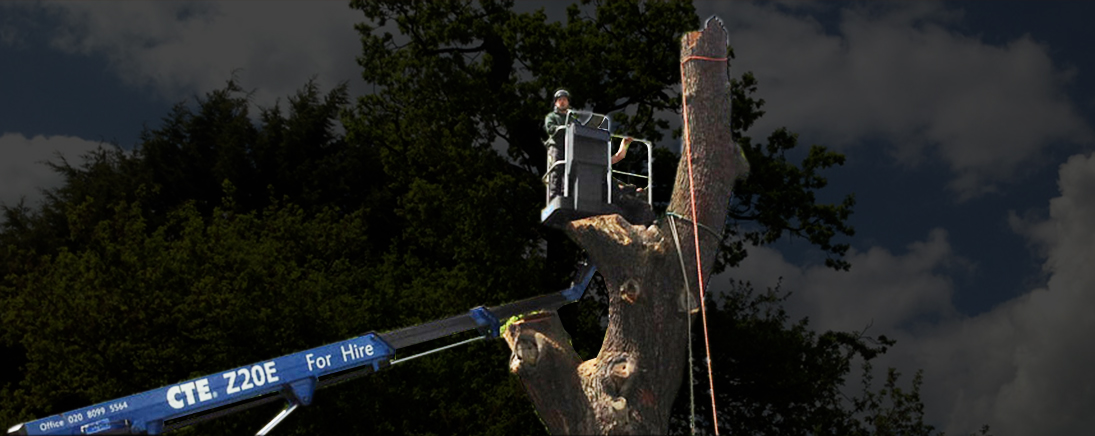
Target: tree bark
[(629, 387)]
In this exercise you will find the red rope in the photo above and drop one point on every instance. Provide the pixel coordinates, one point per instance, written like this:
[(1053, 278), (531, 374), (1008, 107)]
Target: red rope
[(696, 235), (702, 58)]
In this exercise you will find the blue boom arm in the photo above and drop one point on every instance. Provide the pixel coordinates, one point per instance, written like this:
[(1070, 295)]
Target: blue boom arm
[(293, 378)]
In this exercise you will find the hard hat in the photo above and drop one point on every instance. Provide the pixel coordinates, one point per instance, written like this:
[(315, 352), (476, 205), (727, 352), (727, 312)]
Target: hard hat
[(561, 93)]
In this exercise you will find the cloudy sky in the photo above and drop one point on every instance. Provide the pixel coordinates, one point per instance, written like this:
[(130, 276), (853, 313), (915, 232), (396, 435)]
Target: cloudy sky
[(966, 125)]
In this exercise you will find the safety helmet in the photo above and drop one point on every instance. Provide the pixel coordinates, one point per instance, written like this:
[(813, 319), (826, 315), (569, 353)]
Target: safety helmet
[(561, 93)]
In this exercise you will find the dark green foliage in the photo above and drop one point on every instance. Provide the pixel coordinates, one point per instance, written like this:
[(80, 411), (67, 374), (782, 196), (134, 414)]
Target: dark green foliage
[(774, 376), (500, 68), (445, 59), (780, 195), (139, 308), (229, 236), (295, 154), (136, 274), (778, 199), (780, 377)]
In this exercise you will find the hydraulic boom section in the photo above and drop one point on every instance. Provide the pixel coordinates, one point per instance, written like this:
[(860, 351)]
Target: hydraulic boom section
[(292, 378)]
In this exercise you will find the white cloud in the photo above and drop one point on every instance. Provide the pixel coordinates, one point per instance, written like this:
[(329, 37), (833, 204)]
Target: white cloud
[(1052, 389), (1023, 367), (886, 290), (897, 72), (23, 173), (180, 49)]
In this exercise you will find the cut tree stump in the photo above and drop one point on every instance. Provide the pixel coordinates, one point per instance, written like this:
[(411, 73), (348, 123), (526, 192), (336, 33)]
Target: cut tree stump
[(631, 384)]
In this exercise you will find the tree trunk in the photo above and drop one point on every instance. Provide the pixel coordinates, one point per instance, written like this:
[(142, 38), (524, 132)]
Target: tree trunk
[(629, 387)]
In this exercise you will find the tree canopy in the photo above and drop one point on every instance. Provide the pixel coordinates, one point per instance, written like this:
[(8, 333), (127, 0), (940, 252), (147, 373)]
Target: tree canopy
[(501, 69), (228, 236)]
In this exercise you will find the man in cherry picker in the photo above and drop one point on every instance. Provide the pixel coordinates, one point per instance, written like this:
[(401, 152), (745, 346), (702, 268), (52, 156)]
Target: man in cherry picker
[(555, 120)]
